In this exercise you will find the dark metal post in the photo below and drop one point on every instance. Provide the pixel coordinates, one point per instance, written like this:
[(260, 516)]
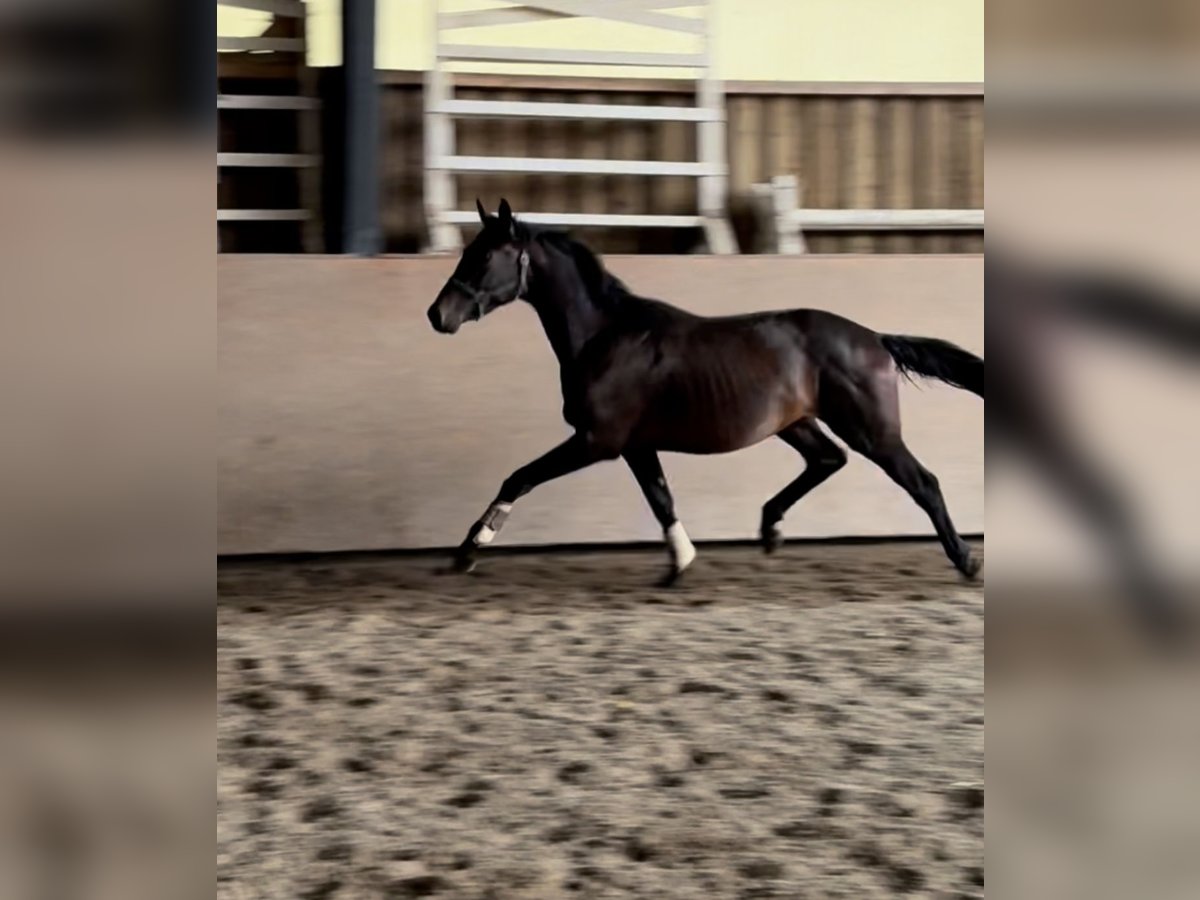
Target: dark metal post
[(360, 230)]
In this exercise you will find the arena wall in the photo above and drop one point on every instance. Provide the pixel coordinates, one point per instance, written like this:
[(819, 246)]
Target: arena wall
[(346, 423)]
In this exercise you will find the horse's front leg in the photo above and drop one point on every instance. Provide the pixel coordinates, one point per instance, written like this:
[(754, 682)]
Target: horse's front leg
[(649, 474), (570, 456)]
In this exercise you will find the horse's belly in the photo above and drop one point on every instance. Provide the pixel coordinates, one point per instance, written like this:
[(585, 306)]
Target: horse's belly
[(700, 425), (722, 395)]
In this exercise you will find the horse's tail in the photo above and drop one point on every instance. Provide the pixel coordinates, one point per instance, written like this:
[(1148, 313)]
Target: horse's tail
[(936, 359)]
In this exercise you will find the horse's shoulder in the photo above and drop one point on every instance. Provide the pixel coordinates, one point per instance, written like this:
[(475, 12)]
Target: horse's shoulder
[(613, 346)]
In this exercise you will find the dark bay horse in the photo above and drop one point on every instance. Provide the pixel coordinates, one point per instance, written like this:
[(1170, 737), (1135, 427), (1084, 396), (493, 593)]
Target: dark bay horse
[(640, 376)]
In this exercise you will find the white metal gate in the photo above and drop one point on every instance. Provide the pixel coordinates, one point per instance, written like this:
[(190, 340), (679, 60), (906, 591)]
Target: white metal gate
[(442, 108)]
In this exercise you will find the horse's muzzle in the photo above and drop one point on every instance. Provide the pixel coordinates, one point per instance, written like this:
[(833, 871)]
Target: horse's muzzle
[(439, 322), (454, 306)]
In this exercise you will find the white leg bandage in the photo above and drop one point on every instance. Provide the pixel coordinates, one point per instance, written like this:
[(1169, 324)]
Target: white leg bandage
[(682, 550), (491, 522)]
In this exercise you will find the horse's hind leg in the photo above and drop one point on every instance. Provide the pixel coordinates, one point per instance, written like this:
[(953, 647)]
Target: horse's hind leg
[(867, 417), (922, 485), (822, 457), (649, 474)]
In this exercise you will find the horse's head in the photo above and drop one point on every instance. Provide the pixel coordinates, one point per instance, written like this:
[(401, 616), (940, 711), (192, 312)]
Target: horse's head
[(493, 271)]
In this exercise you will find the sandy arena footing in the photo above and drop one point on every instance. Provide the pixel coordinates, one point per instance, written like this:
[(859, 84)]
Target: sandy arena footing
[(808, 724)]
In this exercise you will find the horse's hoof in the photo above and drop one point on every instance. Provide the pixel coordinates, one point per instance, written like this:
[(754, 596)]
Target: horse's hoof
[(463, 563), (671, 578), (970, 568), (771, 539)]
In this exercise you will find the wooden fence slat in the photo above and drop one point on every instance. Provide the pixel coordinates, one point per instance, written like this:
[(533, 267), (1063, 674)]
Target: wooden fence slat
[(677, 140), (974, 125), (883, 173), (810, 165), (552, 190), (572, 143), (957, 176), (899, 161), (470, 141), (397, 146), (797, 138), (744, 143), (486, 136), (512, 139), (648, 148), (593, 145), (922, 179), (623, 190), (780, 145), (828, 167), (862, 165), (938, 163), (410, 185)]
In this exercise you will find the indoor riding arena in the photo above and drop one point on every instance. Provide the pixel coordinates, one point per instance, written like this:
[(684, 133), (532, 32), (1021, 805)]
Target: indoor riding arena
[(553, 724), (808, 723)]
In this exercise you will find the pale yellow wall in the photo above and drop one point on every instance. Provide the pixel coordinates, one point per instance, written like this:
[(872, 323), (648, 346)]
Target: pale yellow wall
[(761, 40)]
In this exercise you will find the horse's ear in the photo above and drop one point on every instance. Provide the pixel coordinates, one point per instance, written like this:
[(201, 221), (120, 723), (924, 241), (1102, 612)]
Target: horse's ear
[(506, 216), (482, 211)]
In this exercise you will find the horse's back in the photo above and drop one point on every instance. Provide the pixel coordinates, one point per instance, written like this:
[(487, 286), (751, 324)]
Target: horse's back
[(807, 320), (704, 384), (672, 380)]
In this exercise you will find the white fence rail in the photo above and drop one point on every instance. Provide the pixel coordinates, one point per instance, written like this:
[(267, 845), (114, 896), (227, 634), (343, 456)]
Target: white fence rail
[(594, 220), (785, 220), (500, 109), (554, 166)]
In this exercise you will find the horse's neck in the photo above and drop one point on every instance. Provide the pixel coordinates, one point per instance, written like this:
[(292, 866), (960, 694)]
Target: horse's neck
[(567, 313)]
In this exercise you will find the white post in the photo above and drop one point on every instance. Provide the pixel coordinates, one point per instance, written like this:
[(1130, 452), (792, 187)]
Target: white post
[(762, 202), (710, 144), (785, 200), (439, 144)]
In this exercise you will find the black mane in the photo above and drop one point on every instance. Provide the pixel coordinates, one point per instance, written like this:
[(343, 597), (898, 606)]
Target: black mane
[(605, 289)]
